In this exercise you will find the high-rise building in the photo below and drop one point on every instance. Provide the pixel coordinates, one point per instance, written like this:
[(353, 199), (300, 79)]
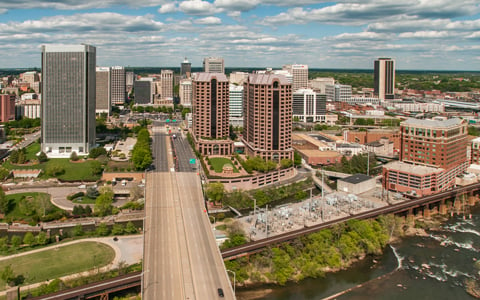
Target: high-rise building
[(118, 85), (185, 91), (103, 90), (129, 79), (236, 101), (185, 68), (166, 80), (7, 108), (338, 92), (210, 114), (309, 106), (144, 89), (213, 65), (318, 84), (432, 154), (267, 116), (68, 99), (30, 77), (384, 78), (299, 74)]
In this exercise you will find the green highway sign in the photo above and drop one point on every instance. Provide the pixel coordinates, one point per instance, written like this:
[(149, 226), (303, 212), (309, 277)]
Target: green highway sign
[(168, 120), (192, 161)]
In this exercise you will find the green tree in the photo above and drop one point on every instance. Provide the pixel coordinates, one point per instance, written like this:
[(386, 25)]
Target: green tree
[(103, 204), (96, 167), (96, 152), (102, 229), (130, 228), (286, 163), (42, 157), (54, 168), (7, 275), (117, 229), (29, 239), (297, 158), (215, 191), (41, 238), (14, 156), (15, 241), (5, 203), (78, 230)]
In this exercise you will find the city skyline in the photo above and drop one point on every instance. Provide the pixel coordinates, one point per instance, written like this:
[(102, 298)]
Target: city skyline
[(439, 35)]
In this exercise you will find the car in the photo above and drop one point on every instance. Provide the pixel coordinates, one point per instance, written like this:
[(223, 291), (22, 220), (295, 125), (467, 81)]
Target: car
[(220, 292)]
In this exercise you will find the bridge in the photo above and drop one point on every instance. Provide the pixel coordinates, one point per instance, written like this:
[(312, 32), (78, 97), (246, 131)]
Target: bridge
[(406, 206), (181, 258)]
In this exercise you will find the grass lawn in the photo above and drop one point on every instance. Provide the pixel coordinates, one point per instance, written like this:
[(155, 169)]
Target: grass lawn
[(78, 171), (27, 206), (32, 150), (84, 200), (51, 264), (219, 162)]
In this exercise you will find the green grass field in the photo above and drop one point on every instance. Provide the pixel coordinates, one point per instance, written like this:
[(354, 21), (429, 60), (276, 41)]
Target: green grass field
[(84, 200), (219, 162), (51, 264)]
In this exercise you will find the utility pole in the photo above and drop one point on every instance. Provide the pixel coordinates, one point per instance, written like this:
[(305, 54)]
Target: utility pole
[(368, 163), (266, 219)]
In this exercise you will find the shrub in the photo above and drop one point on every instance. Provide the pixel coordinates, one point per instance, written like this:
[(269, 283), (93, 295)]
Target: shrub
[(76, 195)]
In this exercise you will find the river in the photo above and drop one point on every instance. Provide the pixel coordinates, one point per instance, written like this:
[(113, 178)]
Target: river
[(430, 267)]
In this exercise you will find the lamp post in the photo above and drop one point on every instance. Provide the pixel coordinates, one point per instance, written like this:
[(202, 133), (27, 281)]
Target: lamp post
[(234, 282)]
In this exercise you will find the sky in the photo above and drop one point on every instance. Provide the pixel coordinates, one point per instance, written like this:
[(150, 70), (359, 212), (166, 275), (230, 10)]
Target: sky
[(345, 34)]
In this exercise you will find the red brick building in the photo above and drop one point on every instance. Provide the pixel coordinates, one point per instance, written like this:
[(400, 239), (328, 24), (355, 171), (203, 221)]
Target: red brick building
[(267, 113), (211, 114), (7, 108)]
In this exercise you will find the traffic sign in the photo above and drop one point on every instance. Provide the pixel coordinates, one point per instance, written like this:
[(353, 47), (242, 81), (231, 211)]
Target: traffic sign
[(174, 120), (167, 120), (192, 161)]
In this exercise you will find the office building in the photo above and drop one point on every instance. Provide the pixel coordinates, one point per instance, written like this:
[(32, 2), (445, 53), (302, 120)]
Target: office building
[(185, 68), (213, 65), (30, 77), (299, 76), (28, 108), (7, 108), (210, 114), (338, 92), (129, 79), (103, 91), (118, 85), (432, 154), (267, 117), (238, 78), (236, 105), (309, 106), (318, 84), (384, 78), (68, 99), (166, 81), (144, 88), (185, 91)]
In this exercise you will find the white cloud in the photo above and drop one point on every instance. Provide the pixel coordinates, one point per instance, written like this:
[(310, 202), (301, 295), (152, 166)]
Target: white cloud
[(424, 34), (167, 8), (75, 4), (208, 21), (237, 5), (198, 7), (363, 36)]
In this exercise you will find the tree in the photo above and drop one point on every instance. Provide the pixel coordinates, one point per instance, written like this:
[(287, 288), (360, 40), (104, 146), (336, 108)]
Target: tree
[(297, 158), (14, 156), (29, 239), (7, 274), (286, 163), (117, 229), (215, 191), (102, 229), (78, 210), (22, 158), (96, 152), (78, 230), (54, 168), (42, 238), (42, 157), (5, 203), (96, 167), (130, 228), (92, 192), (74, 156), (103, 205), (15, 241)]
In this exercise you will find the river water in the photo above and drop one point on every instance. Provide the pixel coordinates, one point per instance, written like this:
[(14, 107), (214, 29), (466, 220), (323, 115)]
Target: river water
[(431, 267)]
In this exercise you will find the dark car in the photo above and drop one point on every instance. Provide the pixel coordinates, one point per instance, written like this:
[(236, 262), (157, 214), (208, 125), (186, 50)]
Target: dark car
[(220, 292)]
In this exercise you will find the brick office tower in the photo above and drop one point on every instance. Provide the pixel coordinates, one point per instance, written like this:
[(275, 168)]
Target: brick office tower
[(432, 154), (267, 116), (7, 108), (211, 114), (68, 99)]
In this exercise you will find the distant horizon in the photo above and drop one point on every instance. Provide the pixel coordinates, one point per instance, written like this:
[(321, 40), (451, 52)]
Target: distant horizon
[(274, 68)]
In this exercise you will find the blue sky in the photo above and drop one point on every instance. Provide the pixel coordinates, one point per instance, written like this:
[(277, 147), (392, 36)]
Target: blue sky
[(419, 34)]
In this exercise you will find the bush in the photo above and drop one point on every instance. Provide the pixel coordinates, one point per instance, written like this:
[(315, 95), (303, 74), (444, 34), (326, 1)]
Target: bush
[(76, 195)]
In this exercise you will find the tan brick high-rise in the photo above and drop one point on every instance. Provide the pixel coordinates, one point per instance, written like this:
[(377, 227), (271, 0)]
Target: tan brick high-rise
[(211, 114), (267, 111)]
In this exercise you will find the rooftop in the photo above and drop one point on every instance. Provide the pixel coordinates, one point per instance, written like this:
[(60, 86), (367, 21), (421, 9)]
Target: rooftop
[(206, 77), (356, 178), (432, 123), (267, 78), (412, 169)]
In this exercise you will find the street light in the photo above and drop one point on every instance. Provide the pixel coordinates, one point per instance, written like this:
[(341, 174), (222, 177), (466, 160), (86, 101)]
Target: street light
[(234, 281)]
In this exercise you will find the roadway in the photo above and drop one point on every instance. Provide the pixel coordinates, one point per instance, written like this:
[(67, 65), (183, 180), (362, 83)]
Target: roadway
[(181, 259)]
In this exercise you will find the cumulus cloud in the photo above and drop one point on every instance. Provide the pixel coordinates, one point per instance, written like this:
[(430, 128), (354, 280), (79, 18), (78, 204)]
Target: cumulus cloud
[(198, 7), (167, 8), (208, 21), (237, 5), (363, 36), (424, 34), (75, 4)]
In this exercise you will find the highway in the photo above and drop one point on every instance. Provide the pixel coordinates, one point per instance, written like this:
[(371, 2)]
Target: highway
[(181, 259)]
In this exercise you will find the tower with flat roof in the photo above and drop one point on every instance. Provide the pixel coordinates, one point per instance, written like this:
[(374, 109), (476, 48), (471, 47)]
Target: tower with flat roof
[(384, 78), (68, 99), (213, 65)]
